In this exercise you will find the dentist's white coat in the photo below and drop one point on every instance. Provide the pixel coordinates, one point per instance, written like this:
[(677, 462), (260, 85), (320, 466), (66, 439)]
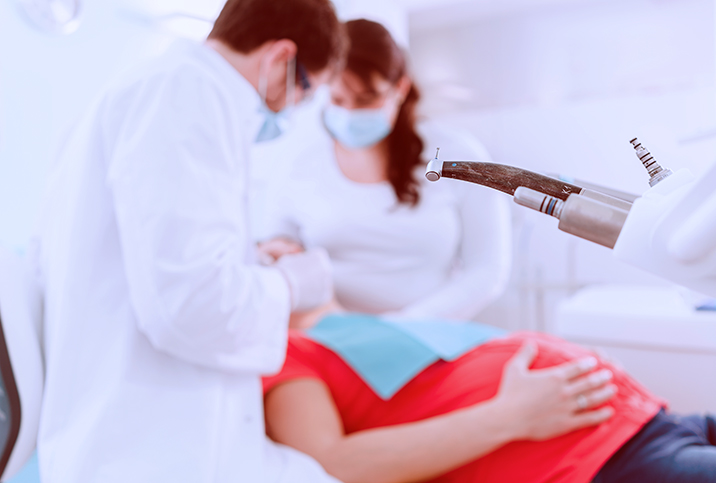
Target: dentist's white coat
[(157, 322)]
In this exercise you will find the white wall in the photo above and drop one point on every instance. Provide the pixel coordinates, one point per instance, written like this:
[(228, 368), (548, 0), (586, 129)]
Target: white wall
[(46, 82), (563, 89)]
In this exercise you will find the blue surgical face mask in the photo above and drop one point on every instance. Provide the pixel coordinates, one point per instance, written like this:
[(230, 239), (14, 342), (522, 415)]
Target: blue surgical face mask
[(357, 128), (276, 123)]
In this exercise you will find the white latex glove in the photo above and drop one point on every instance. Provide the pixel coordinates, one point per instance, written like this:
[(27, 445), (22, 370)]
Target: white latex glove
[(309, 277)]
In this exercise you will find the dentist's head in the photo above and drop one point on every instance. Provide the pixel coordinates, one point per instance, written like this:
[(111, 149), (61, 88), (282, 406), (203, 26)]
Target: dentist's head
[(284, 48), (372, 108)]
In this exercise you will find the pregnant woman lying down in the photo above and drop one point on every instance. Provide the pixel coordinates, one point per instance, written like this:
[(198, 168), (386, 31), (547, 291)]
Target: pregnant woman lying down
[(523, 407)]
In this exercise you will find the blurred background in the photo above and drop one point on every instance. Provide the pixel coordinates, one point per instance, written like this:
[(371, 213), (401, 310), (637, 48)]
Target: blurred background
[(555, 86)]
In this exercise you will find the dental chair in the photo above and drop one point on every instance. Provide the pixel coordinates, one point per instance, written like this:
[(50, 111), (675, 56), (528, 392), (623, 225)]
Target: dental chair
[(21, 363)]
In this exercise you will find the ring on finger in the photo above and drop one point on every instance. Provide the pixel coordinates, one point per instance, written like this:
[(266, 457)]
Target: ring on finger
[(582, 402)]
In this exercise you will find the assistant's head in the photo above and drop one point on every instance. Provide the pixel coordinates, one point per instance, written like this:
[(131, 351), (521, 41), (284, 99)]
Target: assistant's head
[(373, 101), (281, 36)]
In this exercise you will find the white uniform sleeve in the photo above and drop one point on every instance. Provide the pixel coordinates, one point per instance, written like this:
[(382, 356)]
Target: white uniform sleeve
[(286, 465), (485, 260), (179, 195)]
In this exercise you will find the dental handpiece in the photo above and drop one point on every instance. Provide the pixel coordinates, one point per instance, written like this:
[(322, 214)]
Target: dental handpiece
[(508, 178), (585, 213)]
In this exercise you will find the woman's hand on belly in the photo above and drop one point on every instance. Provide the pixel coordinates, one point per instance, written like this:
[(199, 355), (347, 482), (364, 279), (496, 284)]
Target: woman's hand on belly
[(546, 403)]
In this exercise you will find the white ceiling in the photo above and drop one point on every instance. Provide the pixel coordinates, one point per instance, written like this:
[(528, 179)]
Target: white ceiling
[(425, 14), (420, 14), (210, 8), (487, 6), (400, 16)]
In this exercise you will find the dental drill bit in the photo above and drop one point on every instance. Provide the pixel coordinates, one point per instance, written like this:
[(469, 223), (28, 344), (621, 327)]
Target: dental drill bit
[(656, 172)]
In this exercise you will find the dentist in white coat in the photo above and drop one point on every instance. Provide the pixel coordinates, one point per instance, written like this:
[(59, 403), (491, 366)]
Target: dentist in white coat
[(158, 322)]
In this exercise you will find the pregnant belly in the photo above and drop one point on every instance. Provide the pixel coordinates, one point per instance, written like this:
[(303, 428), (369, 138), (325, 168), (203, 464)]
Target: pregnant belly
[(475, 377)]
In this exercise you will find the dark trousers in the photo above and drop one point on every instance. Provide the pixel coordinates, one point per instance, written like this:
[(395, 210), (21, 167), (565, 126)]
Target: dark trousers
[(668, 449)]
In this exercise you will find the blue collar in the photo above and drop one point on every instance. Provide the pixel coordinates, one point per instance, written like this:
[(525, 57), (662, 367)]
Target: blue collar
[(387, 355)]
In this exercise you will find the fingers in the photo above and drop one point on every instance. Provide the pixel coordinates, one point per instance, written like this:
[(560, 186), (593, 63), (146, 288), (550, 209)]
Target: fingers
[(524, 357), (573, 369), (592, 418), (278, 247), (585, 384), (595, 398)]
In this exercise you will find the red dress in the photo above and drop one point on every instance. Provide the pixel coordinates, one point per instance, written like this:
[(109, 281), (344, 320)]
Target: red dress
[(445, 386)]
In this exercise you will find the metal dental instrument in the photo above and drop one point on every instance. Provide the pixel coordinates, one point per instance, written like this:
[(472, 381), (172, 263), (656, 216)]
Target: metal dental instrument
[(499, 176), (508, 178), (585, 213)]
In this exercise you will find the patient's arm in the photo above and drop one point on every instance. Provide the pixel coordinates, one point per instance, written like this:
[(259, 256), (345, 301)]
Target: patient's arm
[(536, 404)]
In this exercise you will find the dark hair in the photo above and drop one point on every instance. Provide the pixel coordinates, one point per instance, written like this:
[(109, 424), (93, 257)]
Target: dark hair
[(245, 25), (373, 50)]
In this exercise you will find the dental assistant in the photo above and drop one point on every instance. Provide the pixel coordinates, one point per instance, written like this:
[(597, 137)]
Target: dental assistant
[(158, 322), (399, 246)]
